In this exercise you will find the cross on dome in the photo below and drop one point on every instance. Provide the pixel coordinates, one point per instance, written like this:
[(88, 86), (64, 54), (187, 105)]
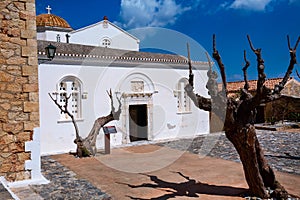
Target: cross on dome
[(49, 9)]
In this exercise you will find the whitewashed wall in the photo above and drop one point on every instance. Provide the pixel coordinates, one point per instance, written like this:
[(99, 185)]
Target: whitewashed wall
[(94, 34), (52, 36), (167, 123)]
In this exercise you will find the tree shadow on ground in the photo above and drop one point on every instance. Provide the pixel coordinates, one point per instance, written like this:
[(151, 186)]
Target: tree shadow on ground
[(189, 188), (287, 156)]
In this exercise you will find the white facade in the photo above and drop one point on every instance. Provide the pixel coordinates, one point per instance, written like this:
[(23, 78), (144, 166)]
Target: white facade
[(105, 34), (101, 34), (52, 35), (152, 86)]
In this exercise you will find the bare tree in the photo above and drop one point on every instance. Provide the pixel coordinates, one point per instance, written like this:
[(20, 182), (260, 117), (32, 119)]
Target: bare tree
[(239, 118), (87, 146)]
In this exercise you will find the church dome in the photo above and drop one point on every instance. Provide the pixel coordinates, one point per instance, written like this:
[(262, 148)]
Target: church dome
[(51, 20)]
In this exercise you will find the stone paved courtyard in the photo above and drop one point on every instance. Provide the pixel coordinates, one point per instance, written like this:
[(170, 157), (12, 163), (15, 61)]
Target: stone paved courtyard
[(281, 149)]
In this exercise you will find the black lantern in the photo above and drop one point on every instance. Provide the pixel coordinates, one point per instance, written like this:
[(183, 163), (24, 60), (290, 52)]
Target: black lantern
[(50, 51)]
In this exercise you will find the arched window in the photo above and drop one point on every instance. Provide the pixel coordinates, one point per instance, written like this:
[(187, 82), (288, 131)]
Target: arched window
[(183, 101), (69, 91), (105, 42)]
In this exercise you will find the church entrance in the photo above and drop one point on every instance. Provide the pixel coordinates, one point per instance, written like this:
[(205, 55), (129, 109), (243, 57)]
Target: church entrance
[(138, 122)]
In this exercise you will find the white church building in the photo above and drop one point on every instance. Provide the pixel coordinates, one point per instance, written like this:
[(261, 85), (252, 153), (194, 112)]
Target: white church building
[(96, 58)]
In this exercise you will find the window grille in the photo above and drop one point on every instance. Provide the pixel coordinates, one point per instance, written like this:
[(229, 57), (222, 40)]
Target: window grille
[(70, 88), (57, 38), (106, 42), (183, 101)]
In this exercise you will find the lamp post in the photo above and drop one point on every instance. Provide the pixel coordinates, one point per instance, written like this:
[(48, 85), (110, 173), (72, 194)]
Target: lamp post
[(50, 52)]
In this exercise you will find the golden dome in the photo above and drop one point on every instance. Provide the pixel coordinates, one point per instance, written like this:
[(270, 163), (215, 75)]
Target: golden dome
[(51, 20)]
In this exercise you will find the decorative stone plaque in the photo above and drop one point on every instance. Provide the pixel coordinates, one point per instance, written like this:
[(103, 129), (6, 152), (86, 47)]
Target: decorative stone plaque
[(137, 86)]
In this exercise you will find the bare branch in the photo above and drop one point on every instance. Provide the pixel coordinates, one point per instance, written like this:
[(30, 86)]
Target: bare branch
[(115, 114), (261, 72), (245, 59), (247, 64), (191, 75), (90, 141), (120, 104), (293, 61), (214, 43), (189, 58), (109, 93), (54, 100), (64, 109), (295, 48), (250, 43), (212, 84), (199, 101), (217, 57), (66, 105), (238, 116), (288, 41), (208, 60), (289, 44), (56, 103), (245, 94), (256, 51)]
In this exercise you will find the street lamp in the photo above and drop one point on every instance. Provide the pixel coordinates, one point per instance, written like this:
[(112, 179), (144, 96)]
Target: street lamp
[(50, 53)]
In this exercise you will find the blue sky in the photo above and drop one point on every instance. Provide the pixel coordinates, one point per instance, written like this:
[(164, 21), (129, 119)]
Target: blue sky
[(266, 21)]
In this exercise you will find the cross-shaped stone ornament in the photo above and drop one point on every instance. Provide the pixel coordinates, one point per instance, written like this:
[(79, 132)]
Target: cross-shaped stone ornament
[(49, 9)]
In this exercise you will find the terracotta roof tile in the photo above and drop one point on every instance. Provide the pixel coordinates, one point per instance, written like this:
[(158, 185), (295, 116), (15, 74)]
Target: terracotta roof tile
[(236, 86), (51, 20)]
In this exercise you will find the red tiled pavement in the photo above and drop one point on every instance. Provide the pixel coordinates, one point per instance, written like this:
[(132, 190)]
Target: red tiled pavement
[(149, 171)]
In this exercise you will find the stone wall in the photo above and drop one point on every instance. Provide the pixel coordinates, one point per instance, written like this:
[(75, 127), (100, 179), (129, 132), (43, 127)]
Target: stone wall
[(18, 85), (282, 108)]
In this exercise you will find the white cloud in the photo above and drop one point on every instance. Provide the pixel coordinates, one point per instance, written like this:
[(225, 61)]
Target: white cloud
[(160, 13), (297, 2), (143, 13), (254, 5)]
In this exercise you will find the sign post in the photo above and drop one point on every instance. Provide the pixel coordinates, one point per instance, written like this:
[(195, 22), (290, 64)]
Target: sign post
[(107, 131)]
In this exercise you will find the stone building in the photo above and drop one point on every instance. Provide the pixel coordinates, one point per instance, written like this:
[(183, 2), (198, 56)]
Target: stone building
[(276, 110), (53, 28), (151, 86), (19, 105), (100, 57), (288, 106)]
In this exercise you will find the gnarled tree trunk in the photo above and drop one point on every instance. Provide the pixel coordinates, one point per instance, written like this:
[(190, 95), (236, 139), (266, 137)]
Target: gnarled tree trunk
[(87, 146), (239, 119), (90, 141)]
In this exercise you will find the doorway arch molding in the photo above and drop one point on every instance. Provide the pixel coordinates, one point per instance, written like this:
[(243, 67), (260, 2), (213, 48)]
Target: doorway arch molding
[(136, 88)]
